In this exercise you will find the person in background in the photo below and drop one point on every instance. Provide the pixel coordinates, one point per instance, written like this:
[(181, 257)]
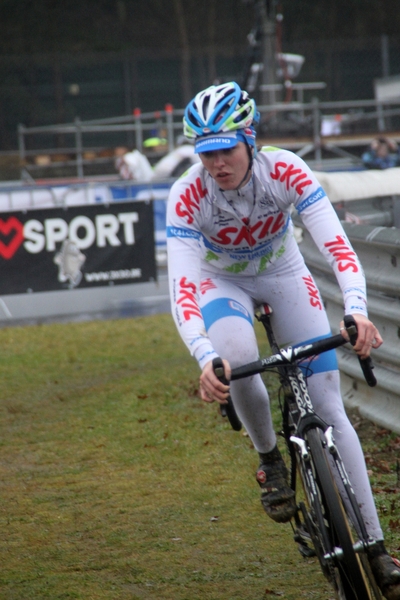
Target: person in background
[(175, 163), (231, 247), (383, 153), (132, 165)]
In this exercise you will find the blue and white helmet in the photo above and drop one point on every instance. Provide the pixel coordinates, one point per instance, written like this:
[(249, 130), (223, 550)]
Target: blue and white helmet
[(225, 110)]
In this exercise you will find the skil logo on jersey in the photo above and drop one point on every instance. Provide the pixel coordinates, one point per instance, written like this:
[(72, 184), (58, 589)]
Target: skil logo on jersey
[(343, 254), (295, 178), (206, 285), (190, 201), (187, 299), (313, 293), (250, 234)]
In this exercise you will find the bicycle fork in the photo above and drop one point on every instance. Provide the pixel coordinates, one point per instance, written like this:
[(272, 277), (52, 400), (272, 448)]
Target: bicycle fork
[(364, 541)]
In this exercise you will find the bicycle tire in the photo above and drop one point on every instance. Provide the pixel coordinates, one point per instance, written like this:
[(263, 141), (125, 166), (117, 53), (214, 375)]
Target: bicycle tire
[(314, 520), (349, 577), (358, 529)]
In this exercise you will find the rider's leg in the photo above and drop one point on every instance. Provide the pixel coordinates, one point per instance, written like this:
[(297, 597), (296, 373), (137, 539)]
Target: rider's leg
[(299, 316), (228, 316)]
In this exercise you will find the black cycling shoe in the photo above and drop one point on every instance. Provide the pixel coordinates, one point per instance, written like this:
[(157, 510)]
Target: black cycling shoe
[(385, 570), (277, 497)]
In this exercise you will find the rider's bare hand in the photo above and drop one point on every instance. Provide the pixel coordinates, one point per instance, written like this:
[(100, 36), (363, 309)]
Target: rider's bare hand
[(368, 335), (211, 389)]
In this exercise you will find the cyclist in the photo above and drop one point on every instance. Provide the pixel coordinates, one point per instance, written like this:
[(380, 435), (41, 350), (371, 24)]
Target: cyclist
[(231, 247)]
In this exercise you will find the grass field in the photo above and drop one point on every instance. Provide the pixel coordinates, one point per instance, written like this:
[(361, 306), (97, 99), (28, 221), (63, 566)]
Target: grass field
[(118, 483)]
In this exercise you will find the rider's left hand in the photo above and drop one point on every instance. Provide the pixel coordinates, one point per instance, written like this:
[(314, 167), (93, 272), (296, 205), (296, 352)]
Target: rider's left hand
[(368, 335)]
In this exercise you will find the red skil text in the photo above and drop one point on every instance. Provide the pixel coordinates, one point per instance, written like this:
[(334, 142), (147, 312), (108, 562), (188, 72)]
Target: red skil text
[(343, 254), (234, 235), (190, 201), (295, 178), (207, 284), (315, 299), (187, 299)]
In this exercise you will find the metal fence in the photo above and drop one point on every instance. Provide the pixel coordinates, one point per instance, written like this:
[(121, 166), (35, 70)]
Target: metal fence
[(376, 239), (379, 251), (356, 122), (39, 89)]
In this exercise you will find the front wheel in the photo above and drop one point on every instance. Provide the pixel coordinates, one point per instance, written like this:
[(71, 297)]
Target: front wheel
[(340, 563)]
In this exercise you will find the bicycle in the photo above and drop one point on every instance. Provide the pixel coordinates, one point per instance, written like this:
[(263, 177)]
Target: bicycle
[(328, 522)]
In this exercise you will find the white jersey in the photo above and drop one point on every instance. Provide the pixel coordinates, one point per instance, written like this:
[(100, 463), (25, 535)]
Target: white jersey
[(246, 234)]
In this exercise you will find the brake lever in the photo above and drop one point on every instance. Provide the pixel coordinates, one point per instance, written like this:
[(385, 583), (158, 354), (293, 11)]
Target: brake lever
[(227, 410), (366, 364)]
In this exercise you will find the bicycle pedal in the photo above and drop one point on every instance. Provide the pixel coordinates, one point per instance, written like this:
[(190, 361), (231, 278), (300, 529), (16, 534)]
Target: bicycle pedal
[(303, 539), (301, 535), (305, 550)]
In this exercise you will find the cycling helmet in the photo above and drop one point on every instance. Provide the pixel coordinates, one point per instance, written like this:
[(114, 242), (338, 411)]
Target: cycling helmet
[(219, 117)]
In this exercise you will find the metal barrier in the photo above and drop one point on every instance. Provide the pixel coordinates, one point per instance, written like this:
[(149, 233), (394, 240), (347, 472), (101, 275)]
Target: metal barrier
[(379, 251), (356, 116), (377, 244)]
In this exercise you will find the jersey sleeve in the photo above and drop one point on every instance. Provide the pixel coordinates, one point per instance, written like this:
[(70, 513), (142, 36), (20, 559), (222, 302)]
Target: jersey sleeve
[(184, 273), (296, 184), (321, 220)]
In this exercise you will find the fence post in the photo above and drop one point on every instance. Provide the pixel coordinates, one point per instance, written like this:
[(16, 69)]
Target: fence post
[(21, 147), (138, 127), (78, 143), (381, 116), (396, 212), (316, 128), (169, 110), (385, 55)]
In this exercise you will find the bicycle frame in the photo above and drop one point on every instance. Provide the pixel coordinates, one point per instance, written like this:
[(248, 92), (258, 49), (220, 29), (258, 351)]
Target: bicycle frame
[(309, 439)]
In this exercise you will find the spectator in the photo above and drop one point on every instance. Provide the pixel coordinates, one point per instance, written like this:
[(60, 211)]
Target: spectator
[(175, 163), (132, 165), (382, 154)]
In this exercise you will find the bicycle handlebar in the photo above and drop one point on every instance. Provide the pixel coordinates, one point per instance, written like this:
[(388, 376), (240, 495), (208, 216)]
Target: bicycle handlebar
[(291, 355)]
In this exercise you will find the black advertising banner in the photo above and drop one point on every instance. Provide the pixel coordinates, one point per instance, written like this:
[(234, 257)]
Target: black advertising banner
[(76, 247)]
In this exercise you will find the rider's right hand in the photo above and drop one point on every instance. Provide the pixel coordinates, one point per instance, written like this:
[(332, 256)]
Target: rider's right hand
[(211, 389)]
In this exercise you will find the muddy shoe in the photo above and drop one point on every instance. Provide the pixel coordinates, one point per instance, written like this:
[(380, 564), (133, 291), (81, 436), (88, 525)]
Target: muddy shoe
[(386, 571), (277, 497)]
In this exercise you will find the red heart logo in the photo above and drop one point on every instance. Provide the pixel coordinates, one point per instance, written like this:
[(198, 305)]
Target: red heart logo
[(7, 251)]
